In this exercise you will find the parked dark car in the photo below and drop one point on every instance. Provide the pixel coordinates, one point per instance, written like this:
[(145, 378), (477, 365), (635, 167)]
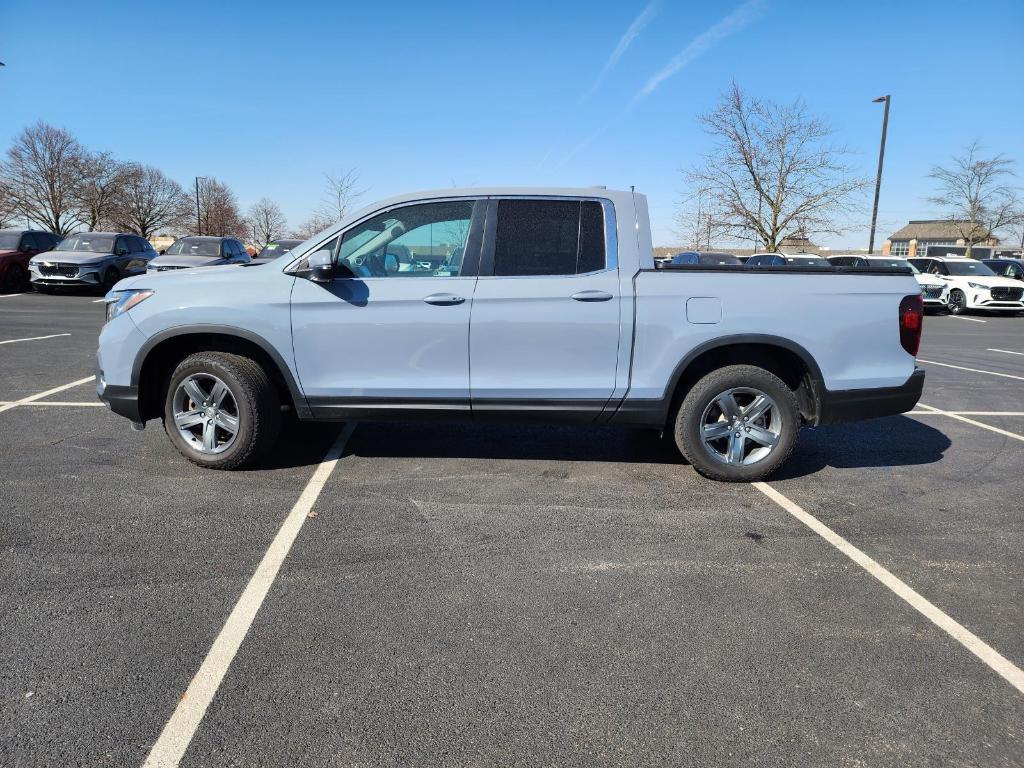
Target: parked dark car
[(200, 251), (705, 258), (275, 248), (90, 260), (1012, 268), (17, 246), (786, 260)]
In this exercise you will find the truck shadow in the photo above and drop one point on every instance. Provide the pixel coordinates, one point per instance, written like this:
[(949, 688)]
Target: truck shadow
[(888, 442), (896, 441)]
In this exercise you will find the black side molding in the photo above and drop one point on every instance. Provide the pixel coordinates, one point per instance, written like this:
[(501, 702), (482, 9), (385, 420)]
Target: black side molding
[(837, 406)]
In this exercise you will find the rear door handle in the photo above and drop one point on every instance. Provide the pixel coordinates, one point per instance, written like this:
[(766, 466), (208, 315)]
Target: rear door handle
[(591, 296), (443, 299)]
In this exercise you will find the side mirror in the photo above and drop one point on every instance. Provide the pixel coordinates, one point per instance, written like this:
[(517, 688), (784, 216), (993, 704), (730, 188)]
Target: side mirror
[(321, 267), (162, 251)]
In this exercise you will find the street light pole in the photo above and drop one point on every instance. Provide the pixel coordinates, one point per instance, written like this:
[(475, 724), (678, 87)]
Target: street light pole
[(199, 217), (878, 178)]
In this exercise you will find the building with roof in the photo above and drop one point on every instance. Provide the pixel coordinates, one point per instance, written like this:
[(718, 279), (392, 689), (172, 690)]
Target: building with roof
[(914, 239)]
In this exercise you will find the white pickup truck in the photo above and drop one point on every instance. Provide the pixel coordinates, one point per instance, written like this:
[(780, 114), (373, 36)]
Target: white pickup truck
[(517, 304)]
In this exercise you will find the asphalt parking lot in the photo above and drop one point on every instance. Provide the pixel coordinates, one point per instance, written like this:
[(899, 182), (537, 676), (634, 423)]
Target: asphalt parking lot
[(463, 595)]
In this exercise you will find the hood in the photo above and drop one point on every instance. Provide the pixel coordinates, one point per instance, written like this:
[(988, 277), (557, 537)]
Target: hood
[(184, 260), (228, 274), (925, 279), (6, 253), (71, 257)]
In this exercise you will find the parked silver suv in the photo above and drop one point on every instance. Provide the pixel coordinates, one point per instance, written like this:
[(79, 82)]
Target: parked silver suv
[(90, 260)]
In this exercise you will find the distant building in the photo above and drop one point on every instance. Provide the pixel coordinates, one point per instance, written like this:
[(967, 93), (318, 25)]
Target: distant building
[(914, 239)]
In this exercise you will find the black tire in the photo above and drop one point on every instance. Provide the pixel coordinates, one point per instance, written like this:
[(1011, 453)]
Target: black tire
[(701, 402), (258, 408), (957, 303), (15, 280)]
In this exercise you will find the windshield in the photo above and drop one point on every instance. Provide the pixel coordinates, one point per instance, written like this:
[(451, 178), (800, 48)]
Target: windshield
[(969, 269), (719, 258), (191, 246), (273, 250), (807, 261), (9, 240), (894, 264), (87, 241)]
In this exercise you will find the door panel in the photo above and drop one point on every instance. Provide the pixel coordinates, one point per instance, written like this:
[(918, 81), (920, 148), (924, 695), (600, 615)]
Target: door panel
[(394, 334), (546, 342)]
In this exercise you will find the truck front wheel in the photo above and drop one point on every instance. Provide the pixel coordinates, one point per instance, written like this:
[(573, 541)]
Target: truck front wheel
[(737, 424), (221, 410)]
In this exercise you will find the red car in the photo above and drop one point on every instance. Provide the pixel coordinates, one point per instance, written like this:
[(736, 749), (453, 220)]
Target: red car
[(17, 246)]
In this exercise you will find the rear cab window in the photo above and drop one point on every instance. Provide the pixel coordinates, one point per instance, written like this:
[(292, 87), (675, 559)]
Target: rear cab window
[(534, 238)]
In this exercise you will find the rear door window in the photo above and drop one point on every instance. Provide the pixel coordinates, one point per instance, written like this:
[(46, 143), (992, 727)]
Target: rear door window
[(548, 237)]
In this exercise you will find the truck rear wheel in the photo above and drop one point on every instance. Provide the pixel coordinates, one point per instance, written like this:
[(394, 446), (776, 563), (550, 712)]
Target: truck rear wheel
[(221, 410), (737, 424)]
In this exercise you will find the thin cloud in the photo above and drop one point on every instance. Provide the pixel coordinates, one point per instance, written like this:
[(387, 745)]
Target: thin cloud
[(701, 44), (641, 21)]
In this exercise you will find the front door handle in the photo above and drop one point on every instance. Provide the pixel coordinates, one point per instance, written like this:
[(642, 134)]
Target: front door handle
[(443, 299), (591, 296)]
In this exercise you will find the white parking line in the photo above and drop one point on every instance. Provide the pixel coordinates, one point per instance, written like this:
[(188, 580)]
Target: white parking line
[(972, 370), (972, 319), (989, 427), (10, 295), (47, 393), (964, 413), (35, 338), (63, 403), (177, 734), (1005, 351), (995, 660), (97, 301)]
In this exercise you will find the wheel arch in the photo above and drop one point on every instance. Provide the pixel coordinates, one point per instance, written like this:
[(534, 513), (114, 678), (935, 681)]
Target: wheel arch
[(787, 359), (162, 352)]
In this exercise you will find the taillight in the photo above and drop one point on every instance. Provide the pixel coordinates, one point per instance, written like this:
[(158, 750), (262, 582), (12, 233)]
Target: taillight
[(911, 322)]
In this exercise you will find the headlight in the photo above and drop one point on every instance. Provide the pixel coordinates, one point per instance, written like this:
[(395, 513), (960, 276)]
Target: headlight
[(119, 302), (978, 286)]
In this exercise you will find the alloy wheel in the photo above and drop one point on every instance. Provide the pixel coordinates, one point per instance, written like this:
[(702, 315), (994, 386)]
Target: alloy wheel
[(205, 413), (741, 426)]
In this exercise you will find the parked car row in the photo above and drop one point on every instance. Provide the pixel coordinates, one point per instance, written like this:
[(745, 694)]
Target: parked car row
[(954, 283), (98, 260)]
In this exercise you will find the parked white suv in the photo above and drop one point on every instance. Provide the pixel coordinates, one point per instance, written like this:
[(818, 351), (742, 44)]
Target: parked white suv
[(934, 289), (973, 285)]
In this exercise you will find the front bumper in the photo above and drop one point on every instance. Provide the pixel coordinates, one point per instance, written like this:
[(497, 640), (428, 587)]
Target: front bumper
[(122, 400), (837, 406), (86, 276)]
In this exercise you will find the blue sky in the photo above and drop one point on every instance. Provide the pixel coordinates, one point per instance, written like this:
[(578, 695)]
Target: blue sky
[(269, 96)]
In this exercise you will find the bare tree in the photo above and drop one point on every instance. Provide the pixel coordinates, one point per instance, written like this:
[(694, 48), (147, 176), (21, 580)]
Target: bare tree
[(695, 225), (772, 173), (43, 172), (974, 194), (342, 191), (102, 183), (149, 201), (265, 222), (311, 226), (8, 213), (219, 214)]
